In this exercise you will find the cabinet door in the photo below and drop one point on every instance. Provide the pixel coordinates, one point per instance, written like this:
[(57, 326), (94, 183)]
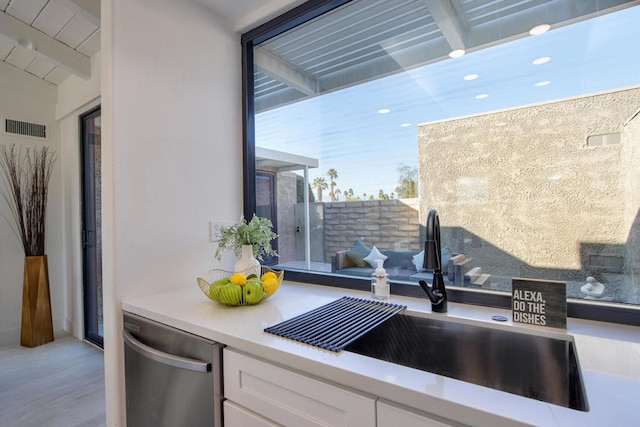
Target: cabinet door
[(393, 415), (237, 416), (291, 398)]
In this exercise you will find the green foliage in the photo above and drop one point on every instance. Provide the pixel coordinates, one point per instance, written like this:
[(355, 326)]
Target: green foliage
[(258, 233), (333, 174), (408, 182), (320, 184), (407, 188)]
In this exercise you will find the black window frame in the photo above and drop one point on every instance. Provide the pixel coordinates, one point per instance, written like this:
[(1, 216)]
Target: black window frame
[(582, 309)]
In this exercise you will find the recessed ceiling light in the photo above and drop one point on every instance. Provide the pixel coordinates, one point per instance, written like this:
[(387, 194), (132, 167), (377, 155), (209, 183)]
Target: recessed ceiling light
[(482, 96), (405, 125), (384, 111), (539, 29), (543, 83), (471, 77), (542, 60), (457, 53), (25, 44)]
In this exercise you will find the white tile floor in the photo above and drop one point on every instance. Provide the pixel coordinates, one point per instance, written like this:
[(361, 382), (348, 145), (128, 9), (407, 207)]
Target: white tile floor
[(59, 384)]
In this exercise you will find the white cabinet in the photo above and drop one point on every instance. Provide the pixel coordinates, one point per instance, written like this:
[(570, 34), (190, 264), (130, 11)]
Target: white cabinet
[(236, 415), (393, 415), (259, 393)]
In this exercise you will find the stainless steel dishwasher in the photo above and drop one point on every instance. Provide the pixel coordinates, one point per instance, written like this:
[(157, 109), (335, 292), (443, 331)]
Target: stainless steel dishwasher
[(173, 378)]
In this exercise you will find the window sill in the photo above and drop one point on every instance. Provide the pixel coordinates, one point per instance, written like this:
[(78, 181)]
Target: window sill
[(576, 308)]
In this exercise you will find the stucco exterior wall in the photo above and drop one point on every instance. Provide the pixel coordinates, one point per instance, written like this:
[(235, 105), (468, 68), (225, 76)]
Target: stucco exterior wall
[(522, 193), (631, 155)]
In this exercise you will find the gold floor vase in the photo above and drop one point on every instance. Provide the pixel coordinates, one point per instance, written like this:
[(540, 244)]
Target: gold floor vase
[(37, 326)]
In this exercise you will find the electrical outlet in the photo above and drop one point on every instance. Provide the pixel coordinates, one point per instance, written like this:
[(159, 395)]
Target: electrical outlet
[(214, 230)]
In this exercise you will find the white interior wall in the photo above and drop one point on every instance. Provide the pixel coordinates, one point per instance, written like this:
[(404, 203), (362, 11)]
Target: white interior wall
[(75, 97), (172, 154), (27, 98)]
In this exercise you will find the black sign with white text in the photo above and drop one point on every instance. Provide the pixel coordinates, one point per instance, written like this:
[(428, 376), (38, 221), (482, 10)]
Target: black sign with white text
[(539, 302)]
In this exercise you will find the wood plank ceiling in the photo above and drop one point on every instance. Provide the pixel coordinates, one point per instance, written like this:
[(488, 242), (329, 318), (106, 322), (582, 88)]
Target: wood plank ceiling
[(50, 39)]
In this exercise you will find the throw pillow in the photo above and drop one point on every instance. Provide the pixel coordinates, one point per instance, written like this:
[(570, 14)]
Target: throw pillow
[(356, 258), (360, 248), (373, 256), (418, 261)]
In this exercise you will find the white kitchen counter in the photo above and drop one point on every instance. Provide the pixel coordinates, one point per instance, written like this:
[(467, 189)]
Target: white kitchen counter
[(609, 356)]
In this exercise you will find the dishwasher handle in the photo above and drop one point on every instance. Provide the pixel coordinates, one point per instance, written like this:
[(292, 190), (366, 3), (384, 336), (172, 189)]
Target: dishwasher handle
[(165, 358)]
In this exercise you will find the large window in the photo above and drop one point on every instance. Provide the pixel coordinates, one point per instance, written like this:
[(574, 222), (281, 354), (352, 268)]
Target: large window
[(519, 122)]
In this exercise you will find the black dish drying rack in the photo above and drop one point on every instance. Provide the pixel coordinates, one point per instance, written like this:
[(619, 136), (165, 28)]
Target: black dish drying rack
[(335, 325)]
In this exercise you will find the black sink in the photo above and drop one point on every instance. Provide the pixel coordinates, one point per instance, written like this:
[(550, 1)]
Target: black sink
[(539, 367)]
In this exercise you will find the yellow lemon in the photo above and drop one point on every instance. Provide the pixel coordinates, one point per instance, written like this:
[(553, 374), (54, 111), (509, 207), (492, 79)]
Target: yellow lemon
[(270, 286), (238, 279), (269, 275)]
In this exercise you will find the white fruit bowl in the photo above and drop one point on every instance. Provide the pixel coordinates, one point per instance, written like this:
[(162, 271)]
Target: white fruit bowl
[(204, 283)]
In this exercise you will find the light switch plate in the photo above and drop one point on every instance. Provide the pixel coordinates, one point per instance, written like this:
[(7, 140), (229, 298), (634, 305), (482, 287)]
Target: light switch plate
[(214, 230)]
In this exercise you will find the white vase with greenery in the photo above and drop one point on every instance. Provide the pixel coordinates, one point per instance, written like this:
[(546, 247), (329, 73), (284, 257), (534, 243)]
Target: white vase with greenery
[(248, 241), (247, 263)]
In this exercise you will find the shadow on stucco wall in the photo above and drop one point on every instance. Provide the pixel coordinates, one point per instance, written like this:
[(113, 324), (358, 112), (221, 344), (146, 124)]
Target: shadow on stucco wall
[(614, 265)]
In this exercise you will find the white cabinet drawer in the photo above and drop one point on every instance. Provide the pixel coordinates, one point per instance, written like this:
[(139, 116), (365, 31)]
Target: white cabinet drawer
[(237, 416), (290, 398), (392, 415)]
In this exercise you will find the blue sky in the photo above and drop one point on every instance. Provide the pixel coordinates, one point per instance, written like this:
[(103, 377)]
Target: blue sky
[(344, 131)]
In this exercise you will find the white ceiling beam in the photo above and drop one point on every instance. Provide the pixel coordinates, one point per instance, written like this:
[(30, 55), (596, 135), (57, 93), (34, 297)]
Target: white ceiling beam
[(88, 9), (15, 32), (284, 72), (445, 17)]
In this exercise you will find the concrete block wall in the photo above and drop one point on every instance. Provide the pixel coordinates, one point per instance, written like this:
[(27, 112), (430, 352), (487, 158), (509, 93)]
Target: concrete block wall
[(387, 224)]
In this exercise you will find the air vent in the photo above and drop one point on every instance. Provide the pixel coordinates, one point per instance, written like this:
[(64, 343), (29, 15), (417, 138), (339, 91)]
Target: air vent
[(606, 139), (17, 127), (607, 262)]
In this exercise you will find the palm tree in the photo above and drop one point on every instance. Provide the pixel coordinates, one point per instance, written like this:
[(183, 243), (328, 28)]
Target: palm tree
[(338, 192), (349, 193), (319, 184), (333, 174)]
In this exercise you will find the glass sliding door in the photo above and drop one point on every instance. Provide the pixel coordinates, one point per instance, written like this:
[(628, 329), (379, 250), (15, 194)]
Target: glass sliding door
[(91, 226)]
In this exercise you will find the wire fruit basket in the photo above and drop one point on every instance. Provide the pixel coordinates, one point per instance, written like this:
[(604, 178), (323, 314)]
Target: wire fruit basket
[(216, 286)]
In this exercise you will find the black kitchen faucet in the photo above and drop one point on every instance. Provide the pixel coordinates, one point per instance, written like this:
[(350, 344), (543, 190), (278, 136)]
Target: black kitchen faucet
[(433, 261)]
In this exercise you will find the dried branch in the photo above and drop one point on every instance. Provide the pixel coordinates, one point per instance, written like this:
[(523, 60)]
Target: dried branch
[(24, 189)]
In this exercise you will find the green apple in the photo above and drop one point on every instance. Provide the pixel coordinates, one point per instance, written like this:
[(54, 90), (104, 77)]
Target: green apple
[(221, 282), (230, 294), (214, 292), (253, 292), (213, 287), (254, 280)]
